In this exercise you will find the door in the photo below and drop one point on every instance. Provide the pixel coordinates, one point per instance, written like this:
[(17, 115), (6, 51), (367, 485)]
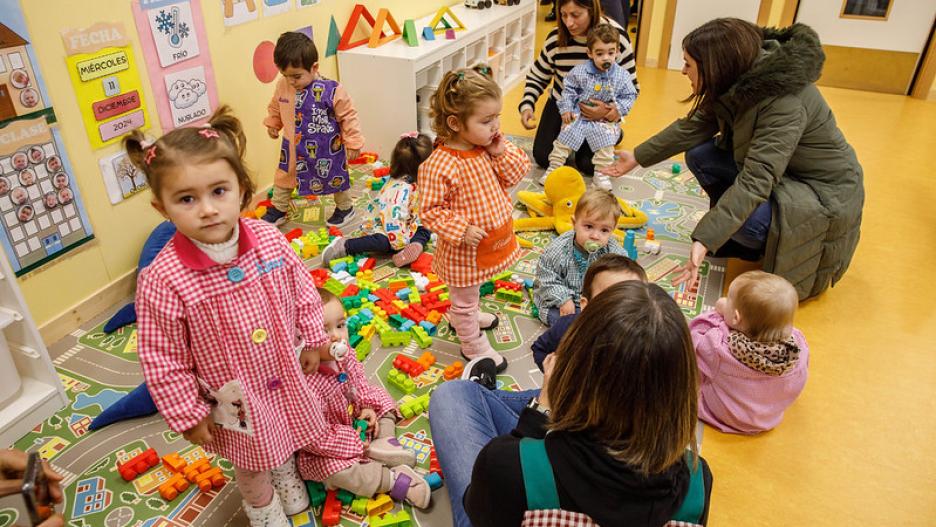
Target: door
[(7, 111), (872, 45), (691, 14)]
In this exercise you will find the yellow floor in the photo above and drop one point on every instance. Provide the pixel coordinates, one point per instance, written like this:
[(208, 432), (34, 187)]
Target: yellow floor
[(860, 443)]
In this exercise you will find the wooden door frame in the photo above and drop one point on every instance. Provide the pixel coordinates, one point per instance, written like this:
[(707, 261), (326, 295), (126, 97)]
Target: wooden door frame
[(926, 71)]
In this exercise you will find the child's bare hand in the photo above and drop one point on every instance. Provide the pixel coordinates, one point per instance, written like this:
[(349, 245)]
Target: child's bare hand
[(498, 145), (370, 416), (309, 360), (200, 434), (352, 153), (272, 132), (474, 235), (567, 308), (568, 117)]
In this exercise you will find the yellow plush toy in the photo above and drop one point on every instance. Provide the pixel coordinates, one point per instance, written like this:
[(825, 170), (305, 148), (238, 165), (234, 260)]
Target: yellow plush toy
[(553, 208)]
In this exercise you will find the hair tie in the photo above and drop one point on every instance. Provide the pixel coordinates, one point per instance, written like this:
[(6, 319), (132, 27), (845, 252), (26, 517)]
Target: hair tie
[(409, 135), (209, 133), (150, 155), (484, 70)]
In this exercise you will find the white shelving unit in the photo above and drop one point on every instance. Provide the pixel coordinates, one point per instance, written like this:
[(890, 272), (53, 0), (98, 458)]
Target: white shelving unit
[(30, 389), (391, 84)]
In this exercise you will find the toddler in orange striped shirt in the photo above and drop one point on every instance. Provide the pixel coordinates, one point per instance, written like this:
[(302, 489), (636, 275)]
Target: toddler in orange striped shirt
[(464, 200)]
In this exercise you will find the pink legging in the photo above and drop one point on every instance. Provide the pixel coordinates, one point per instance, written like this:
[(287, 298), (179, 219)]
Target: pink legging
[(255, 487), (463, 316)]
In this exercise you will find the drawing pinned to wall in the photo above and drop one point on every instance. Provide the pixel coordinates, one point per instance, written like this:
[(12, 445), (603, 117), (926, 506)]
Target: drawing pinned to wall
[(276, 7), (121, 178), (41, 212), (306, 3), (239, 11), (188, 96), (866, 9), (105, 81), (22, 90), (184, 105), (173, 33)]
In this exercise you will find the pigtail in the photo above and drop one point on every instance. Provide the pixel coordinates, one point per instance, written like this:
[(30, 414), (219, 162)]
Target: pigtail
[(135, 144), (223, 121)]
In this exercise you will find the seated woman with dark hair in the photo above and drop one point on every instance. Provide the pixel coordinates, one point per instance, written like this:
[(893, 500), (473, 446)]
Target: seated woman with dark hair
[(609, 439)]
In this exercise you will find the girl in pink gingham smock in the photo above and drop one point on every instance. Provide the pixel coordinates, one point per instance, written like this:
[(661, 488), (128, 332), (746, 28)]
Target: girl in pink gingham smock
[(222, 311), (752, 361)]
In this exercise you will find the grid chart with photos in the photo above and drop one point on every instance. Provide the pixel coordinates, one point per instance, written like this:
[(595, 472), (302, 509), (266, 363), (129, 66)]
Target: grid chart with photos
[(37, 204)]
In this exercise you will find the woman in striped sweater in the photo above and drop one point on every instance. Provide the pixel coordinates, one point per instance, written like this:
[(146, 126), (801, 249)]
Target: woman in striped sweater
[(564, 49)]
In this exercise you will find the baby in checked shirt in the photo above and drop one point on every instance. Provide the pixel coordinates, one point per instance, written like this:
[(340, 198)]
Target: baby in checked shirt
[(560, 271), (603, 79), (752, 361), (364, 464), (222, 311), (464, 200)]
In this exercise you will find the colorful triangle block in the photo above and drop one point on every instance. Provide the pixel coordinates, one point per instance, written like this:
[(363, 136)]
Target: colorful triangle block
[(377, 37), (448, 20), (428, 33), (356, 14), (334, 38), (409, 33)]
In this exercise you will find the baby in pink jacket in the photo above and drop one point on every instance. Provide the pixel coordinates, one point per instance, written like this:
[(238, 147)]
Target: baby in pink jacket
[(752, 361)]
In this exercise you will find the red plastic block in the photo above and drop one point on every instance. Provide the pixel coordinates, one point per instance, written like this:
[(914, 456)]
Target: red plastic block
[(388, 308), (500, 284), (319, 276), (265, 203), (423, 264), (138, 464), (381, 172), (331, 511), (408, 366), (293, 234), (368, 264), (334, 231), (385, 295), (434, 463), (351, 290)]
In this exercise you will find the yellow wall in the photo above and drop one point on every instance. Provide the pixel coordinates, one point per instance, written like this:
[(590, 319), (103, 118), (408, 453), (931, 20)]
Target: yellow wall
[(120, 230), (656, 31)]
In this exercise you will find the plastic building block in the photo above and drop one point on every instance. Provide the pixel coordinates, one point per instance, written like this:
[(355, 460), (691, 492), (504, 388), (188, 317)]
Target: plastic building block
[(331, 512), (408, 366), (423, 263), (434, 480), (428, 327), (361, 426), (171, 488), (345, 497), (415, 407), (449, 34), (434, 317), (392, 519), (651, 245), (397, 321), (210, 479), (453, 371), (514, 297), (503, 275), (369, 266), (138, 464), (359, 506), (400, 381), (423, 340), (511, 286), (427, 359), (407, 325), (334, 231), (317, 493), (362, 350), (381, 172), (629, 246), (434, 466), (174, 462), (487, 288), (380, 504), (394, 338)]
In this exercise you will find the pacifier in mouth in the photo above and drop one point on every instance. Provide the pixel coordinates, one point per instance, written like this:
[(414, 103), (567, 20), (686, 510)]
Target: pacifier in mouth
[(592, 246), (339, 349), (606, 65)]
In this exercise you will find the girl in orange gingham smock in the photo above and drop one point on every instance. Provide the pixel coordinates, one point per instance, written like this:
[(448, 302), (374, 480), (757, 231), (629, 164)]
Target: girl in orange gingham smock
[(464, 199), (222, 311)]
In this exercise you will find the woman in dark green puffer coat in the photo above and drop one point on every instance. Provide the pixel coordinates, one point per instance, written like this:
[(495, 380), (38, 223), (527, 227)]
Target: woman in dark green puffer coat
[(783, 182)]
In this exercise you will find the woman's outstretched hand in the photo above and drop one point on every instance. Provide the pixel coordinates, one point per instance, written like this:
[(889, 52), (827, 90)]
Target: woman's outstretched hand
[(689, 273), (625, 163)]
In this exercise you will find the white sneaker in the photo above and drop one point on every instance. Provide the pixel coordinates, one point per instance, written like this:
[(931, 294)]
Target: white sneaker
[(270, 516), (602, 181), (290, 488), (334, 250)]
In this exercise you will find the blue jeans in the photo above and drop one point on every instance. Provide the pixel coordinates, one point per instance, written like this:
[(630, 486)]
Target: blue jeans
[(379, 243), (464, 416), (715, 170), (553, 315)]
